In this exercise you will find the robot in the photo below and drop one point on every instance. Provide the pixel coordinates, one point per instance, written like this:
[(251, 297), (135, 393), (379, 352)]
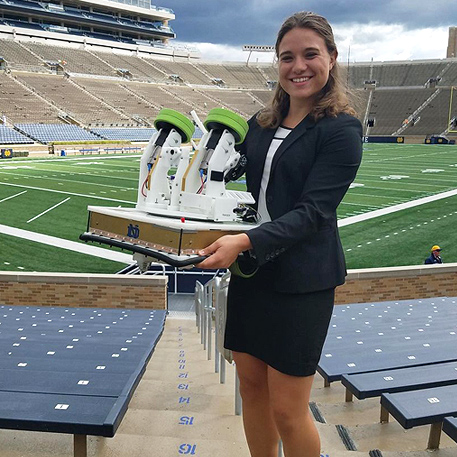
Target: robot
[(183, 204)]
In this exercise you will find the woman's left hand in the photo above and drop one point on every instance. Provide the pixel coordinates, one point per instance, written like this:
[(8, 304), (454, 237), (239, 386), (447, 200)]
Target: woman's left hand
[(224, 251)]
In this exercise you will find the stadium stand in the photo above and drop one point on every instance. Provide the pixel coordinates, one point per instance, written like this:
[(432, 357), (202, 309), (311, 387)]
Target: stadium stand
[(118, 96), (18, 57), (46, 133), (434, 117), (76, 60), (45, 80), (247, 77), (129, 134), (198, 98), (235, 100), (390, 107), (185, 71), (20, 104), (72, 99), (11, 136)]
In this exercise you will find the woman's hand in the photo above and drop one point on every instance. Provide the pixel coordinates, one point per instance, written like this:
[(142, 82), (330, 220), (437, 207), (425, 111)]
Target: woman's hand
[(224, 251)]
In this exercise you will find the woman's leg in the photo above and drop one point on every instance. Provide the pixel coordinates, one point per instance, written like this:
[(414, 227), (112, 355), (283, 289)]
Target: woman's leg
[(259, 426), (289, 399)]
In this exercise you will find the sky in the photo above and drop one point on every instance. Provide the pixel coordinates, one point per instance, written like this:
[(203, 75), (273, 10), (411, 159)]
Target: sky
[(382, 30)]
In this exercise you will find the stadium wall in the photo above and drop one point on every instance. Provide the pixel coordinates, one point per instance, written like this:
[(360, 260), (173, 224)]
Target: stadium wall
[(83, 290), (398, 283), (114, 291)]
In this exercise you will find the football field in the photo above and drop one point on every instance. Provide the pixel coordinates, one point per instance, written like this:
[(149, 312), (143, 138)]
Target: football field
[(50, 196)]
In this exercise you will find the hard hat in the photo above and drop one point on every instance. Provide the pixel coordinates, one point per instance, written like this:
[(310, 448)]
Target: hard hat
[(435, 248)]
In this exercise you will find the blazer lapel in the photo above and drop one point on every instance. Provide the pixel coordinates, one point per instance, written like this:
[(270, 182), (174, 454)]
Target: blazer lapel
[(258, 161), (307, 123)]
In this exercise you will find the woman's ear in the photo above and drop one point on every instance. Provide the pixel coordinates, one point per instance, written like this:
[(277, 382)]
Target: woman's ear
[(333, 58)]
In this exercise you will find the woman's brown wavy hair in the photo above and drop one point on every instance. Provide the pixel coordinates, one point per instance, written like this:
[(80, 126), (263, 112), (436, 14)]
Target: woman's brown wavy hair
[(333, 98)]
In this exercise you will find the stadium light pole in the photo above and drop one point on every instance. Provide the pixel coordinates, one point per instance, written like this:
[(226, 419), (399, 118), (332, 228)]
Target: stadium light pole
[(256, 48)]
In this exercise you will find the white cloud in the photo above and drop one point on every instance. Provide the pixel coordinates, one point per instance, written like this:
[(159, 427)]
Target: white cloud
[(373, 40), (390, 42)]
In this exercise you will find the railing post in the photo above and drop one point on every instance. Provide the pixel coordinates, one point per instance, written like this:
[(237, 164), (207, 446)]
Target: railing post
[(238, 402)]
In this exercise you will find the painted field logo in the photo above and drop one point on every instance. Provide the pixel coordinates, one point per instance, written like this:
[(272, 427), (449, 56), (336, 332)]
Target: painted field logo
[(6, 154), (133, 231)]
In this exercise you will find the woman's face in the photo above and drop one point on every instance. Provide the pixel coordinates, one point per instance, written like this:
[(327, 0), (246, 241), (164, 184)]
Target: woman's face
[(304, 65)]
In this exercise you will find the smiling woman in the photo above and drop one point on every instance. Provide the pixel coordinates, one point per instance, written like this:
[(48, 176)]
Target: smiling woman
[(303, 152)]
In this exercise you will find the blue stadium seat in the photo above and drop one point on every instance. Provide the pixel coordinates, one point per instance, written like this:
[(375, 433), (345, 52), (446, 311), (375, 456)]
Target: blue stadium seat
[(367, 385), (450, 427), (47, 133), (10, 136), (383, 336), (423, 407), (131, 134), (73, 370)]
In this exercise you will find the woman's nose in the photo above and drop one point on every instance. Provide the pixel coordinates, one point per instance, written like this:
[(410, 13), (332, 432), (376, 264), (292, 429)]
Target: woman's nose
[(300, 64)]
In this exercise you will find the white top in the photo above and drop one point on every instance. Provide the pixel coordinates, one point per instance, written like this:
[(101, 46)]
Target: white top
[(280, 134)]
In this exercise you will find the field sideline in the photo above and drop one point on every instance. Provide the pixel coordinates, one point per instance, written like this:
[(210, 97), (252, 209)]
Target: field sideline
[(50, 196)]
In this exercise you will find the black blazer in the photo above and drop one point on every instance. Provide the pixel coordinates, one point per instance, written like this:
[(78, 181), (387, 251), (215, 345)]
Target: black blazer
[(310, 173)]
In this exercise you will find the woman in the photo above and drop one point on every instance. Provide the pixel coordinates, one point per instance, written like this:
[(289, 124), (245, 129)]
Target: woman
[(303, 152)]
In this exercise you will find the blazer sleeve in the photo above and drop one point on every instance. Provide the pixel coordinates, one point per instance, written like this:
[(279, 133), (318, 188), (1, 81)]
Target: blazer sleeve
[(339, 153)]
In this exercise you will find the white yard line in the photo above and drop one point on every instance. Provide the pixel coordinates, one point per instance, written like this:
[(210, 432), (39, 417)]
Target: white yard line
[(49, 209), (392, 209), (66, 244), (12, 196), (66, 193)]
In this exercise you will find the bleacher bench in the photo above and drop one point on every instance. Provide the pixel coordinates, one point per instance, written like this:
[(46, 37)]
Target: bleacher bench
[(423, 407), (450, 427)]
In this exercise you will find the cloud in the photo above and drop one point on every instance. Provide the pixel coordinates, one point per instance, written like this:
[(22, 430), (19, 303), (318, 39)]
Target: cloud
[(373, 40), (238, 22)]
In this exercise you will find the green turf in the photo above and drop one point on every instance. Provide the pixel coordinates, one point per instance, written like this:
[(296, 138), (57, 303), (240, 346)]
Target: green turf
[(51, 195), (404, 237), (24, 255)]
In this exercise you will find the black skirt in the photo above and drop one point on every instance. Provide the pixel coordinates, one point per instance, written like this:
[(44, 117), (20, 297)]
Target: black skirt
[(286, 331)]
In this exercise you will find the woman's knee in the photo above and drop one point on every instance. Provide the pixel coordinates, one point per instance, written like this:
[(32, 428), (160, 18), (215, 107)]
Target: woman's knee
[(288, 418), (252, 374)]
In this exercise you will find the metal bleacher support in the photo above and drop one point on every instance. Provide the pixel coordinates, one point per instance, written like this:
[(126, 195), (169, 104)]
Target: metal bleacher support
[(211, 305)]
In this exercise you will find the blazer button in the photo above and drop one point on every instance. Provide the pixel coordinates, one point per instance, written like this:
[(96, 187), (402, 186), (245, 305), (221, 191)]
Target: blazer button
[(269, 199), (277, 252), (267, 257)]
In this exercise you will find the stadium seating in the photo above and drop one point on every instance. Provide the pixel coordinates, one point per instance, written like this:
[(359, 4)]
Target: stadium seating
[(73, 100), (422, 407), (21, 105), (77, 60), (373, 384), (18, 57), (127, 88), (390, 107), (129, 134), (10, 136), (46, 133)]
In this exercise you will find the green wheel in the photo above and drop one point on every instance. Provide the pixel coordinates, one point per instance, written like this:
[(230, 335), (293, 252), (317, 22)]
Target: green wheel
[(219, 117), (244, 266), (170, 118)]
